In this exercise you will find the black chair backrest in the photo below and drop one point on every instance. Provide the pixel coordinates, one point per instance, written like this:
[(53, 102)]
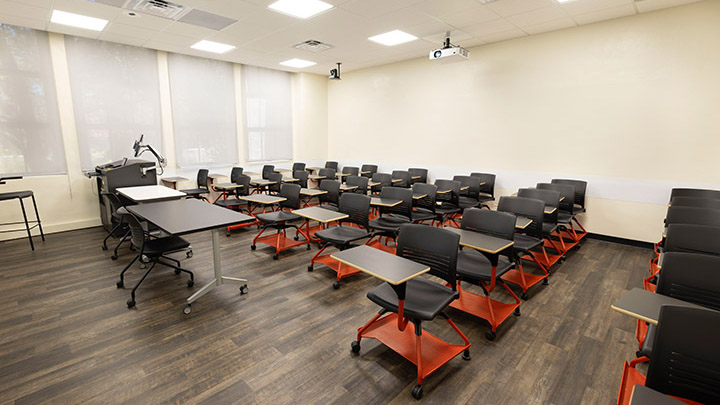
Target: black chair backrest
[(550, 197), (235, 174), (416, 171), (368, 168), (448, 198), (430, 191), (529, 208), (494, 223), (580, 189), (292, 194), (357, 206), (692, 215), (245, 189), (402, 175), (333, 191), (331, 165), (301, 175), (137, 233), (566, 191), (489, 180), (360, 182), (472, 184), (298, 166), (434, 247), (398, 193), (277, 178), (327, 173), (685, 360), (267, 170), (202, 178), (353, 171), (694, 192), (691, 277), (695, 202), (114, 200), (692, 239), (385, 179)]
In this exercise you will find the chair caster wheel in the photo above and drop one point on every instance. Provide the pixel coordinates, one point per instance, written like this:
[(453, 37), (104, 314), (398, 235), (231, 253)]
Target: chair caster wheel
[(253, 247), (177, 271), (243, 289), (143, 265), (466, 355), (516, 312), (114, 257), (310, 267), (104, 247), (336, 285), (417, 392), (355, 346), (490, 335), (308, 247), (296, 237), (276, 256), (227, 234), (545, 281), (189, 254), (524, 296), (131, 303), (563, 258), (120, 284), (190, 283), (187, 309)]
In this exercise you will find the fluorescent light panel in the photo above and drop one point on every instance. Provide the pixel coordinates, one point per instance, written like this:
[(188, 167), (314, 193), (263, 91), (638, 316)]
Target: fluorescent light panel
[(298, 63), (214, 47), (392, 38), (77, 20), (300, 8)]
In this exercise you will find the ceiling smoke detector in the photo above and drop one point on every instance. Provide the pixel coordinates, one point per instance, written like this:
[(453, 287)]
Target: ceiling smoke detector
[(313, 46)]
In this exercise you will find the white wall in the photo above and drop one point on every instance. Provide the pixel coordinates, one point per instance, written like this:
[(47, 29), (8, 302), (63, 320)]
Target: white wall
[(70, 201), (628, 104)]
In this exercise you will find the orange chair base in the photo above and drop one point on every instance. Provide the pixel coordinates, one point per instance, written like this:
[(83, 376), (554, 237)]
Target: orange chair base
[(630, 378), (522, 279), (545, 258), (243, 225), (434, 351), (378, 245), (281, 242), (341, 270), (495, 312)]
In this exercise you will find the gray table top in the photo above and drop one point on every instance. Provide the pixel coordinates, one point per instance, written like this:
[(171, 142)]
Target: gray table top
[(645, 305), (263, 199), (150, 193), (320, 214), (282, 170), (480, 241), (316, 177), (385, 266), (187, 216), (384, 202), (522, 222), (345, 187), (173, 179), (216, 175), (261, 182), (417, 196), (642, 395), (227, 186), (312, 191)]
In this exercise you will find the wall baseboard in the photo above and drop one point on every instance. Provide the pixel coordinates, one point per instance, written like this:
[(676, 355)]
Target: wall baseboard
[(53, 228), (621, 241)]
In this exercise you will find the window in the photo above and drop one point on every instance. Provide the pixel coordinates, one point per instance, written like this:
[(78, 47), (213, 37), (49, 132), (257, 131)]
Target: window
[(203, 105), (116, 96), (268, 114), (30, 136)]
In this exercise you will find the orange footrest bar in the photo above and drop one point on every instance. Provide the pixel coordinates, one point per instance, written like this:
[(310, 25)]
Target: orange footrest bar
[(485, 307), (435, 352), (281, 242), (244, 225), (341, 270)]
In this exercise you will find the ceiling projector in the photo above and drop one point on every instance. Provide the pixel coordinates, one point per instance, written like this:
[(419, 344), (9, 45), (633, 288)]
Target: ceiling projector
[(449, 52)]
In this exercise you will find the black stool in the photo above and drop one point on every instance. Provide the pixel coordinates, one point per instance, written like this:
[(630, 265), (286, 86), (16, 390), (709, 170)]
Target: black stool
[(20, 195)]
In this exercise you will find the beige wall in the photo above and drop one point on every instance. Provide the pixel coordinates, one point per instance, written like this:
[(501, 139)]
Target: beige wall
[(629, 104)]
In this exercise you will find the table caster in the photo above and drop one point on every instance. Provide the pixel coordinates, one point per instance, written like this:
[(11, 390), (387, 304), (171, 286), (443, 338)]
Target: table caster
[(187, 309), (243, 289)]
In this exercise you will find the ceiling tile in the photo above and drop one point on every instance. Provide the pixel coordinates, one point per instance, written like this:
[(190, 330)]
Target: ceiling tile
[(455, 37), (470, 17), (439, 8), (23, 22), (130, 31), (375, 8), (503, 36), (489, 27), (566, 22), (78, 32), (469, 43), (652, 5), (429, 27), (188, 30), (87, 8), (123, 39), (588, 6), (506, 8), (35, 3), (236, 9), (606, 14), (21, 10), (539, 16)]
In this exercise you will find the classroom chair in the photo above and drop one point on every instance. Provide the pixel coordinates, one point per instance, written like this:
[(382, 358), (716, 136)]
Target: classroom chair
[(694, 192), (281, 221), (685, 215), (368, 170), (352, 171), (388, 223), (153, 251), (118, 214), (236, 203), (551, 235), (578, 202), (686, 359), (202, 186), (698, 202), (302, 177), (331, 165), (486, 271), (331, 199), (423, 300), (385, 180), (328, 173), (487, 190), (360, 182), (298, 166), (235, 174), (267, 170), (403, 176), (527, 242), (565, 213), (469, 197), (448, 197), (414, 172), (424, 208), (357, 207), (274, 188)]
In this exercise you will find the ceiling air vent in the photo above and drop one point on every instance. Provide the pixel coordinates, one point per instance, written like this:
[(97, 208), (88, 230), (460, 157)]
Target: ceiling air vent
[(160, 8), (313, 46)]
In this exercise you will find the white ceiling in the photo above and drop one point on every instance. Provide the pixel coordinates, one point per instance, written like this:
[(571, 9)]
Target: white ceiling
[(265, 38)]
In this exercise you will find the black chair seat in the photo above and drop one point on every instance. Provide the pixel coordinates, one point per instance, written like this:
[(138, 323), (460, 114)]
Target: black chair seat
[(446, 209), (549, 228), (422, 215), (160, 246), (15, 194), (468, 202), (120, 212), (195, 191), (649, 342), (230, 202), (485, 198), (424, 299), (525, 243), (270, 218), (341, 235), (472, 265), (578, 210), (388, 223), (564, 217), (331, 207)]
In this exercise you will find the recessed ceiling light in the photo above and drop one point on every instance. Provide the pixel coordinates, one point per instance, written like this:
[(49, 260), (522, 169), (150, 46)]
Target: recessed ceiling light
[(77, 20), (214, 47), (391, 38), (300, 8), (297, 63)]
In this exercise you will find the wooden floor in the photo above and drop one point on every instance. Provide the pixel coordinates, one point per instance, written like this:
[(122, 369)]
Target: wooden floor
[(66, 335)]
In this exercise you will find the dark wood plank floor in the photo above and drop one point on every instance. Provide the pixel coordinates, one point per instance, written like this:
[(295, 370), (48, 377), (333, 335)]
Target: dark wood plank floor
[(66, 335)]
